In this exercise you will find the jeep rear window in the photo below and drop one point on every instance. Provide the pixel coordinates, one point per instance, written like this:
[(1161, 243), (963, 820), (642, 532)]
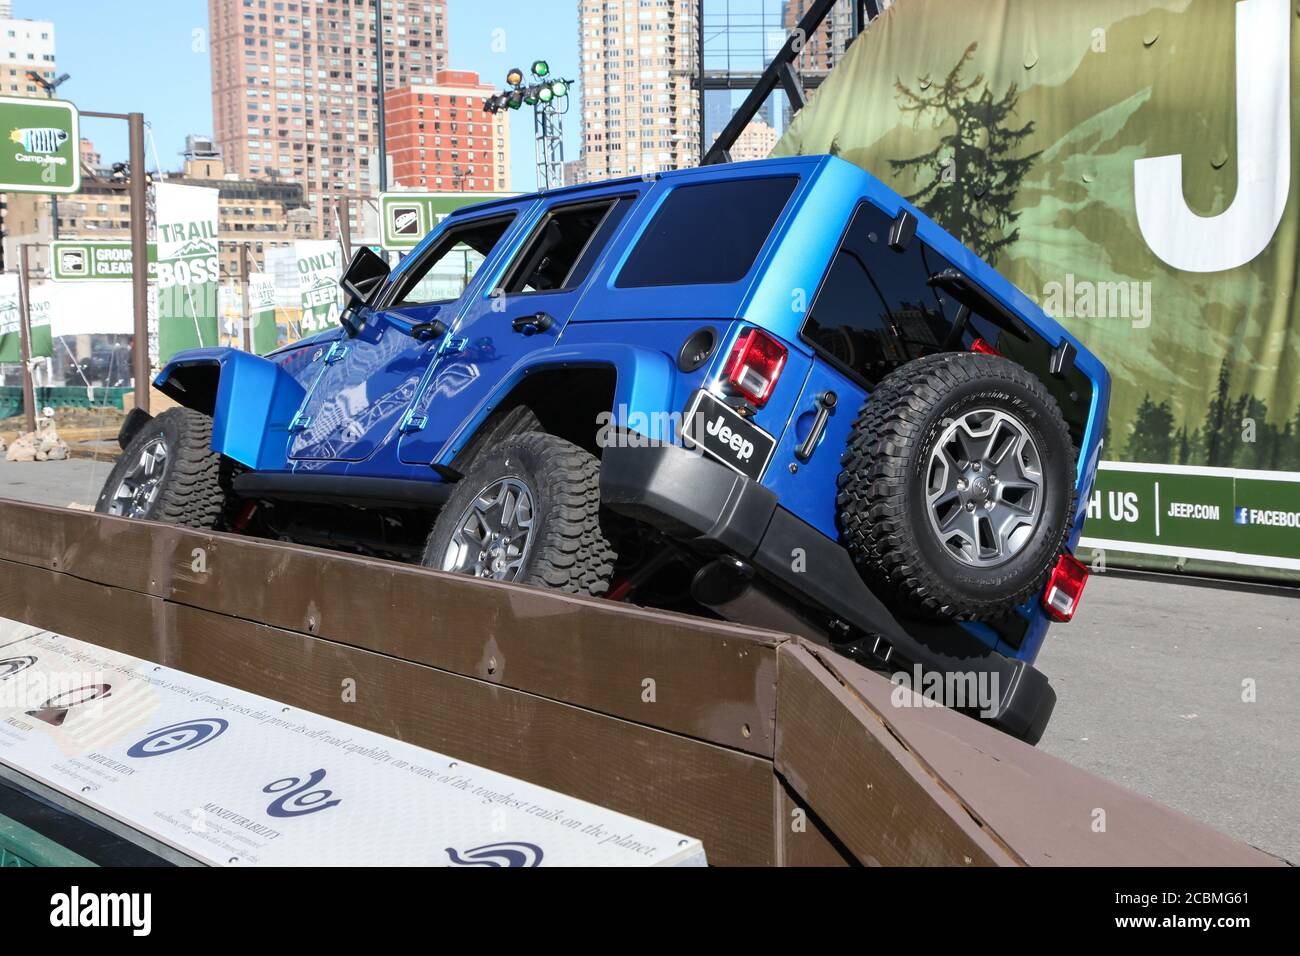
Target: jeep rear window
[(876, 310), (707, 234), (444, 272)]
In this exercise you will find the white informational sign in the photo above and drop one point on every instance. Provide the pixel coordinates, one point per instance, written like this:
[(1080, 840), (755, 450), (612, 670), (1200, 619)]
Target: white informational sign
[(42, 301), (95, 307), (231, 778), (282, 267)]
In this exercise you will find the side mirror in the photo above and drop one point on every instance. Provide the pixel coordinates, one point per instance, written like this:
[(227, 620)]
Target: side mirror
[(365, 276)]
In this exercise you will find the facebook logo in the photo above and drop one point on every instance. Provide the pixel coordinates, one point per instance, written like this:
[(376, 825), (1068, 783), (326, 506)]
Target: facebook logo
[(1242, 516)]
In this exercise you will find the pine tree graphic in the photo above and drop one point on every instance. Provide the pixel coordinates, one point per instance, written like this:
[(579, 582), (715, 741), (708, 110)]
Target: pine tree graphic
[(1152, 438), (973, 173)]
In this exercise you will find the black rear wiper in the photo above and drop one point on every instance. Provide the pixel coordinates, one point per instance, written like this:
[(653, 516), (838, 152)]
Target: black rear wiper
[(969, 294)]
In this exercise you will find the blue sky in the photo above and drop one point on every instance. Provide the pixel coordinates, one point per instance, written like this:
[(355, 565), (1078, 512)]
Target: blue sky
[(151, 56)]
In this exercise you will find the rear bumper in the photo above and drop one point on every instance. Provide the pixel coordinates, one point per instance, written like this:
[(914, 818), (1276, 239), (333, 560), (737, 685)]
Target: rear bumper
[(716, 511)]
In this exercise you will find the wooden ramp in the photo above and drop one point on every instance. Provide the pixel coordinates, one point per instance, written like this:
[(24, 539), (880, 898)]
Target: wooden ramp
[(769, 749)]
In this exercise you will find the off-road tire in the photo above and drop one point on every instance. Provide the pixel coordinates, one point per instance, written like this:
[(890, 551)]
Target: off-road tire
[(192, 488), (882, 487), (569, 550)]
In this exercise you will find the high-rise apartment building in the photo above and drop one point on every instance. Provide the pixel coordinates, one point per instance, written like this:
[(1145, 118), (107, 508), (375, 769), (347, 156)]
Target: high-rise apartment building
[(440, 138), (826, 47), (640, 113), (756, 141), (25, 46), (296, 88)]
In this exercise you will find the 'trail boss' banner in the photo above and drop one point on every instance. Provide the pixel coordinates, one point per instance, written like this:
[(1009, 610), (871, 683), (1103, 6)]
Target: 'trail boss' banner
[(188, 268), (1130, 164)]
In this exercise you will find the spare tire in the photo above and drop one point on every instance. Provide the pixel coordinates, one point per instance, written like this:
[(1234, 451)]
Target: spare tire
[(957, 489)]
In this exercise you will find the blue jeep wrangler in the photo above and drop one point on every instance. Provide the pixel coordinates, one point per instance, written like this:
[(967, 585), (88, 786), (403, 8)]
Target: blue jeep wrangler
[(770, 392)]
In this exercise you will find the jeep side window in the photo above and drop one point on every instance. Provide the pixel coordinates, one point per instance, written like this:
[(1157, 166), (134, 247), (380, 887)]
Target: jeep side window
[(562, 250), (707, 234), (875, 309), (444, 272)]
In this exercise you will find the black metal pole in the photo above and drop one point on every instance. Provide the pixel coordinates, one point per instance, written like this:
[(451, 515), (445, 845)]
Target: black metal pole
[(344, 212), (139, 262), (778, 72), (246, 300), (25, 336), (704, 133), (379, 62)]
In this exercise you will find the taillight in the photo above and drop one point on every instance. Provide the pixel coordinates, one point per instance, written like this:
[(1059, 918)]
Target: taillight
[(983, 348), (1065, 588), (755, 364)]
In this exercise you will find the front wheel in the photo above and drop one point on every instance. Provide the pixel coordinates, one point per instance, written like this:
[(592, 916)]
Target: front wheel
[(168, 473), (528, 512)]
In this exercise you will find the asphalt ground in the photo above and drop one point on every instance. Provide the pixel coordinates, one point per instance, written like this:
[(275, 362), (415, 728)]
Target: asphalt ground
[(1186, 691)]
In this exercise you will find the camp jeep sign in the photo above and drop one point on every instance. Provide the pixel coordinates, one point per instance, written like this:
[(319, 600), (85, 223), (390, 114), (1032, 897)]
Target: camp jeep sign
[(188, 268), (39, 146)]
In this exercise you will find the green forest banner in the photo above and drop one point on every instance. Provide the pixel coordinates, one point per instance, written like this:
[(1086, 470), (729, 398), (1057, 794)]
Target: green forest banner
[(1129, 165)]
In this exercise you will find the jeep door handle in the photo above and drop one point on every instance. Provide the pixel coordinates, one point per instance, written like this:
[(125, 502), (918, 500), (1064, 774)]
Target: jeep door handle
[(825, 405), (532, 324), (428, 330)]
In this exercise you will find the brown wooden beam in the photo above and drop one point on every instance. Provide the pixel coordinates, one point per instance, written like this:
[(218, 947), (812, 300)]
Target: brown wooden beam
[(870, 792), (710, 680)]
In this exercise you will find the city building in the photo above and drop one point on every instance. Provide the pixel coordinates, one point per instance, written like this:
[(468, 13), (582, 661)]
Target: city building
[(25, 46), (296, 87), (439, 137), (640, 112), (575, 172), (90, 158), (261, 213), (824, 49), (756, 141)]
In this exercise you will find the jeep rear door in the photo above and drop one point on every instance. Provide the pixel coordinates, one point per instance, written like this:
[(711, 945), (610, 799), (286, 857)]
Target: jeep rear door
[(521, 310)]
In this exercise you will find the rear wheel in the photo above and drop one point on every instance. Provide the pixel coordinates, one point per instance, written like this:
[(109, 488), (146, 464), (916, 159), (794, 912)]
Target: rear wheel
[(958, 486), (168, 473), (528, 511)]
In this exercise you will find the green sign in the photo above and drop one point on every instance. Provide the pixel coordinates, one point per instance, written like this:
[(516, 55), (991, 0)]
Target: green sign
[(320, 264), (188, 268), (1227, 515), (86, 260), (40, 309), (41, 147), (406, 218), (261, 303)]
